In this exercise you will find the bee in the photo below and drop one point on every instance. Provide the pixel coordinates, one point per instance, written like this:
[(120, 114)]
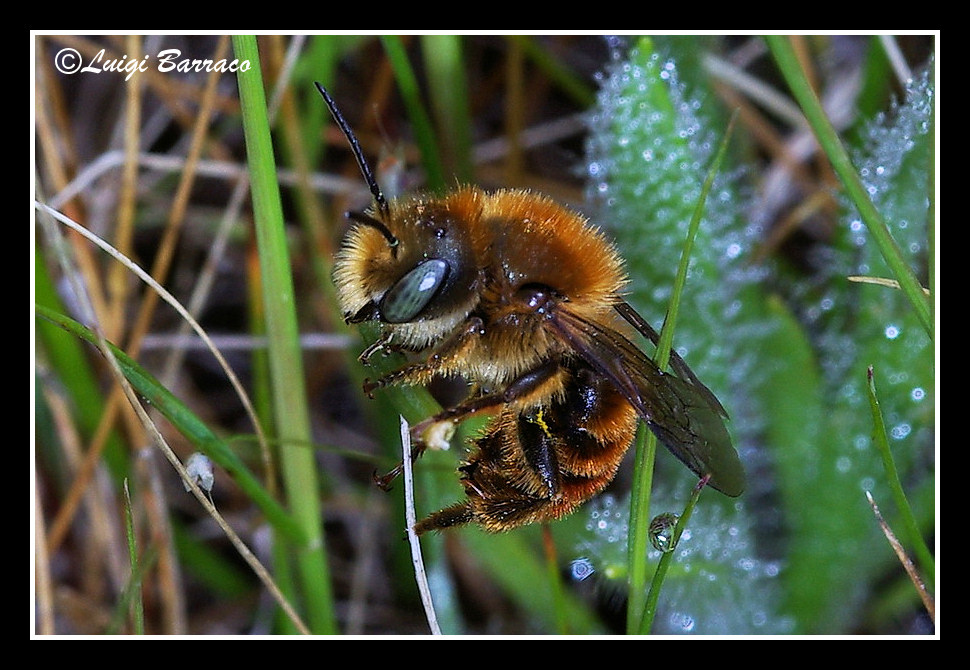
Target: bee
[(522, 297)]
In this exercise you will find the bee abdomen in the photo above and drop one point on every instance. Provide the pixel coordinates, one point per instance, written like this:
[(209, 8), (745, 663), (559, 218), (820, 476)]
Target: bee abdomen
[(539, 463)]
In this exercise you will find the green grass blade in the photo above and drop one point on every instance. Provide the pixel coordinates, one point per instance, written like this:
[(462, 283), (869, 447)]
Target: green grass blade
[(881, 440), (655, 97), (191, 426), (298, 466), (667, 332), (652, 142), (646, 451), (827, 137), (411, 94), (137, 605), (74, 371), (640, 518), (652, 100), (819, 418), (448, 92), (553, 68), (663, 565), (130, 594)]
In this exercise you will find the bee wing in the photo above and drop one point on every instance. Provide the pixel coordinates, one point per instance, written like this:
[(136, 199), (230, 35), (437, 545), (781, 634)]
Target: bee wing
[(679, 365), (683, 413)]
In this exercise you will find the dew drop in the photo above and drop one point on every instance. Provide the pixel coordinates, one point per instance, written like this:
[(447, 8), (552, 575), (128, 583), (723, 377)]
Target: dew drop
[(900, 431), (661, 531), (581, 568), (682, 621)]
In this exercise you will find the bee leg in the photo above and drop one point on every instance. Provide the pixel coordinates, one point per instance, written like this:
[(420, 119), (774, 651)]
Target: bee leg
[(457, 515), (384, 481), (521, 388), (421, 373), (382, 343), (538, 448), (458, 413), (428, 434)]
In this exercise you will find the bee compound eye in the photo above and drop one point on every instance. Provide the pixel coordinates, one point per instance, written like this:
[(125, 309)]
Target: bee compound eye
[(412, 292)]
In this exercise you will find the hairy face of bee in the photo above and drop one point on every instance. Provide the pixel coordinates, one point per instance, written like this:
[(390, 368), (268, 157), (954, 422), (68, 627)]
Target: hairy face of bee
[(416, 268)]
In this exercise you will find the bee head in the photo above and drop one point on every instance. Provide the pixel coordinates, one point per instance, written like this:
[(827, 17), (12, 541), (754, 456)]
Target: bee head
[(408, 261), (417, 266)]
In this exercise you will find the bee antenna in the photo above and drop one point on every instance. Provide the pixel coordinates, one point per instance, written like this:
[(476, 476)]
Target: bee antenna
[(368, 220), (359, 155)]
